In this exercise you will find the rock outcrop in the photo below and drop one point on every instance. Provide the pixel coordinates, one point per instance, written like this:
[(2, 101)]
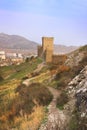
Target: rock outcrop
[(77, 92)]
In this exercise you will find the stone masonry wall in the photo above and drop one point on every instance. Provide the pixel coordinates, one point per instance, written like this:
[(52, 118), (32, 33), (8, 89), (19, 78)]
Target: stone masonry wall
[(47, 45), (49, 54), (40, 50), (58, 59)]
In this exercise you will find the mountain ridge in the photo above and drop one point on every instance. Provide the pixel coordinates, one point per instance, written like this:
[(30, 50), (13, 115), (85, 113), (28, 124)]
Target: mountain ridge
[(22, 44)]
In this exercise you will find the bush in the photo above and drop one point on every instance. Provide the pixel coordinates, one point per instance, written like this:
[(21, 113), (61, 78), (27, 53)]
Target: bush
[(83, 62), (33, 95), (84, 48), (66, 74), (1, 78), (62, 100), (61, 84), (77, 122), (24, 78), (62, 72), (63, 77)]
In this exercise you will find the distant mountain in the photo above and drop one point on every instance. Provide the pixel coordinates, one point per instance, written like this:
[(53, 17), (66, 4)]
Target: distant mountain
[(62, 49), (15, 43)]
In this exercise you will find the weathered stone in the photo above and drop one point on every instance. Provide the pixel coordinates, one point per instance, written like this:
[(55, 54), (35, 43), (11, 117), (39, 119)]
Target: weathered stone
[(77, 89)]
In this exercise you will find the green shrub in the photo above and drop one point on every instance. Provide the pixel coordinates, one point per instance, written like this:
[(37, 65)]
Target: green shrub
[(63, 79), (62, 100), (83, 62), (1, 78), (83, 48), (77, 122)]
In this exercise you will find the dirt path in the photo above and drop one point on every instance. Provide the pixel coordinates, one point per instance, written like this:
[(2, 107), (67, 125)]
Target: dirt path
[(28, 81), (56, 118)]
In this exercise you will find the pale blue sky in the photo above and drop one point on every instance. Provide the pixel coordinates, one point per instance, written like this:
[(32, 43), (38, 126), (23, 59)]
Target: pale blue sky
[(65, 20)]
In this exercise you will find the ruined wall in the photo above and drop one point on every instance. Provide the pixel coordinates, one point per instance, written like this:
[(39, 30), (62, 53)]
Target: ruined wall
[(40, 50), (58, 59)]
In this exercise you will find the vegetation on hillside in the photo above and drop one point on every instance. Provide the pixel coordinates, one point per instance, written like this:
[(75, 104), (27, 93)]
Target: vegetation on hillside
[(19, 71), (62, 100), (34, 94), (26, 101), (65, 73), (20, 105), (83, 48), (76, 123)]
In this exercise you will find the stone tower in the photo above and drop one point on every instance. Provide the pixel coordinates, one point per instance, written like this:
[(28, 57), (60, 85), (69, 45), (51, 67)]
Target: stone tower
[(47, 47), (46, 50)]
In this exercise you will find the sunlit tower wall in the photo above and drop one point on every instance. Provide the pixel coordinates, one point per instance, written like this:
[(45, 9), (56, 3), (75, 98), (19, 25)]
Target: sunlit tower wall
[(47, 47)]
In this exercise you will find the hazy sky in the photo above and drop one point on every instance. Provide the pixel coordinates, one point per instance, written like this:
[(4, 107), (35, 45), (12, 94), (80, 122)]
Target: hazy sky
[(65, 20)]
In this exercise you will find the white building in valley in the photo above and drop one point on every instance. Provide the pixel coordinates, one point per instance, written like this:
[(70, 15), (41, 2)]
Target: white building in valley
[(2, 55)]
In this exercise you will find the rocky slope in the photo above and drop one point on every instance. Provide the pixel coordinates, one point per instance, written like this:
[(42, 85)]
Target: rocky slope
[(76, 108), (75, 57)]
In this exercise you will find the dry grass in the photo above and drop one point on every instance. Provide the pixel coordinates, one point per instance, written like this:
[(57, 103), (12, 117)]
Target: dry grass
[(24, 122), (25, 108), (10, 85), (32, 121)]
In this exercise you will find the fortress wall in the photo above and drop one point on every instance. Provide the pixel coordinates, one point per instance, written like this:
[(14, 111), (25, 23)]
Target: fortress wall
[(47, 43), (48, 57), (58, 59), (40, 50)]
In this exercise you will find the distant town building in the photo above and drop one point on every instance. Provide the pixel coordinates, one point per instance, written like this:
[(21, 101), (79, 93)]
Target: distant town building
[(17, 60), (19, 55), (2, 55), (10, 58), (14, 55)]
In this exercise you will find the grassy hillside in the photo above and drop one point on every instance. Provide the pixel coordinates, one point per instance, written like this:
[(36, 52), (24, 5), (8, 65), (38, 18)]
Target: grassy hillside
[(19, 71), (22, 107)]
